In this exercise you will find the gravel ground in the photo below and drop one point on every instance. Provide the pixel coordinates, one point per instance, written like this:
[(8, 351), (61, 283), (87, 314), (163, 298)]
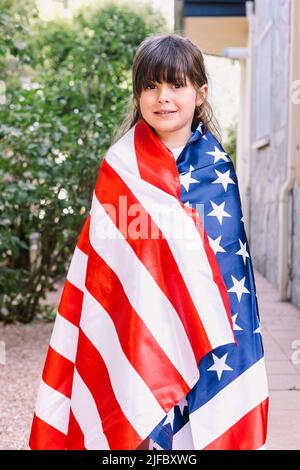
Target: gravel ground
[(25, 350), (26, 347)]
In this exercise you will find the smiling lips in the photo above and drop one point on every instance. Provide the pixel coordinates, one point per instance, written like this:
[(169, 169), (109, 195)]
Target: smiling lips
[(164, 112)]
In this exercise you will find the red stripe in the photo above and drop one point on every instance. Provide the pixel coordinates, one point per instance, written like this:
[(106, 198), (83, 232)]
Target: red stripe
[(155, 254), (75, 438), (71, 303), (83, 242), (58, 372), (45, 437), (155, 161), (142, 350), (119, 432), (249, 433)]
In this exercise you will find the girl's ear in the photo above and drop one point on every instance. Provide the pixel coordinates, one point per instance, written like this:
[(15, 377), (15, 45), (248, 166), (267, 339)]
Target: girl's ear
[(201, 94)]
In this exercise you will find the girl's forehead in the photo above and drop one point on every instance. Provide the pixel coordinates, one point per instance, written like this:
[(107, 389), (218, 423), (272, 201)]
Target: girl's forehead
[(164, 66), (181, 80), (166, 76)]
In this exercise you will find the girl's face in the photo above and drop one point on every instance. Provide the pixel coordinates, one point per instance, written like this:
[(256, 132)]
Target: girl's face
[(169, 109)]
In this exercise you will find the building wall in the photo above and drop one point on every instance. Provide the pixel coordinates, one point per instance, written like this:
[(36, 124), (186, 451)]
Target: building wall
[(295, 252), (268, 163), (295, 206)]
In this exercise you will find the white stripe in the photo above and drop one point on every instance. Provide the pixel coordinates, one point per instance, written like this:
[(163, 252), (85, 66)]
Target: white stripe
[(85, 411), (188, 250), (122, 151), (143, 293), (134, 397), (77, 269), (64, 338), (53, 407), (225, 409), (264, 447), (153, 445), (183, 439)]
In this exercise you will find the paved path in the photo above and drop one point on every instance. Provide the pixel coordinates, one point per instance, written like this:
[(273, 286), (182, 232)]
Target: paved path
[(280, 323), (26, 347)]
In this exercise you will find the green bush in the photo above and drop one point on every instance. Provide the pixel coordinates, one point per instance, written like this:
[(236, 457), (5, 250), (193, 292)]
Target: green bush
[(230, 142), (68, 91)]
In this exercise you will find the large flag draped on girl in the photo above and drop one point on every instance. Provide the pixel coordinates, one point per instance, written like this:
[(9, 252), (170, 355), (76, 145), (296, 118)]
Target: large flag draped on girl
[(228, 407), (157, 331)]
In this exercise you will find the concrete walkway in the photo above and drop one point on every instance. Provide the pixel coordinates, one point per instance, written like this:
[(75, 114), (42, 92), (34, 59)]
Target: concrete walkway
[(280, 326)]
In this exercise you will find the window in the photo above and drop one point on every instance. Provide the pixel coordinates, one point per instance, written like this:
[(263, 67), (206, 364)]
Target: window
[(262, 91)]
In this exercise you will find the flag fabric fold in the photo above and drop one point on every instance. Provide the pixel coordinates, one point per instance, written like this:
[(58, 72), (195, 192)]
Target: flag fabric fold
[(228, 407), (144, 304)]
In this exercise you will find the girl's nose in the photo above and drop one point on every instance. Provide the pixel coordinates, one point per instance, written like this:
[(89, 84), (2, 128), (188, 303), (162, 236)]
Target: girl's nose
[(163, 95)]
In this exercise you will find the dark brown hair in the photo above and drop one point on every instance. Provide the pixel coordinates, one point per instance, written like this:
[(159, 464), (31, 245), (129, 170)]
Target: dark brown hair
[(170, 58)]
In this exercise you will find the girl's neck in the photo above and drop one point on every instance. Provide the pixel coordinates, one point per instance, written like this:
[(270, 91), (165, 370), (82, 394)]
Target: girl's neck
[(174, 139)]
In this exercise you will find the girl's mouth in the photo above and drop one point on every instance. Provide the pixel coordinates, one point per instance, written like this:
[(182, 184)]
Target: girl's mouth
[(164, 113)]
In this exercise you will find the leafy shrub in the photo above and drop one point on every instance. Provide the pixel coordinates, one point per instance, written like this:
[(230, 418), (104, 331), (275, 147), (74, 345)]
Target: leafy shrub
[(68, 92)]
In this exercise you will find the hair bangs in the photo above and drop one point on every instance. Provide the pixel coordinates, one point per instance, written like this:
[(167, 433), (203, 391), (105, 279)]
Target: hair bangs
[(164, 65)]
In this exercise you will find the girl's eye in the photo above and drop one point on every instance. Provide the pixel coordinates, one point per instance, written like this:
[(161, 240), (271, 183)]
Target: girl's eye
[(150, 86)]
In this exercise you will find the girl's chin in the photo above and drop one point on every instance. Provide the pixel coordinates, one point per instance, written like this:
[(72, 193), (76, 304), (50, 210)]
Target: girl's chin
[(165, 122)]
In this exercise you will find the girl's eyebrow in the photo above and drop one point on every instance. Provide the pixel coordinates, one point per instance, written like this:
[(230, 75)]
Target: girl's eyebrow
[(150, 82)]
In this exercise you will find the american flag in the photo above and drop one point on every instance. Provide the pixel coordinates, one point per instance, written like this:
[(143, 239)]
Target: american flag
[(228, 407), (139, 312)]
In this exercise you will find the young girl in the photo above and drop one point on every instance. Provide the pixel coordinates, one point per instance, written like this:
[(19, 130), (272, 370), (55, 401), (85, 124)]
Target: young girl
[(156, 343)]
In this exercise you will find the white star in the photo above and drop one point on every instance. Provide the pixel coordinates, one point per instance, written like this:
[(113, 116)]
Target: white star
[(235, 326), (187, 179), (154, 446), (243, 251), (224, 179), (218, 155), (199, 127), (257, 330), (215, 244), (182, 404), (238, 287), (219, 365), (187, 203), (242, 219), (218, 211), (170, 418)]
